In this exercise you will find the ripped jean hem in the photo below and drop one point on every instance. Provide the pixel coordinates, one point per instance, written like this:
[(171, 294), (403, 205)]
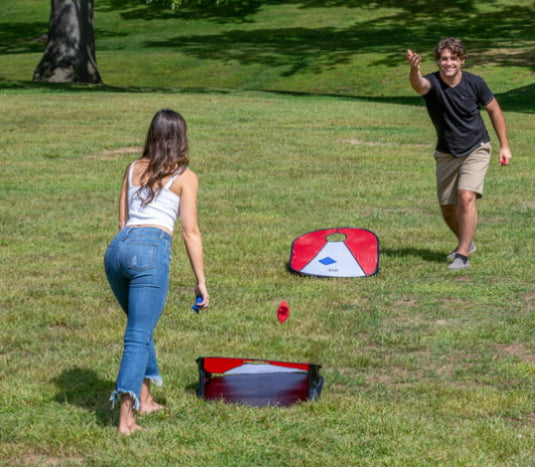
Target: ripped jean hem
[(156, 380), (116, 395)]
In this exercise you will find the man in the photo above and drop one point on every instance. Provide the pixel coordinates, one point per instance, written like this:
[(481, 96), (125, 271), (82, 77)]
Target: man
[(453, 98)]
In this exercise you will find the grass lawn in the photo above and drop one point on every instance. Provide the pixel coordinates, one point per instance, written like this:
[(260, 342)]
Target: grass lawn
[(422, 366)]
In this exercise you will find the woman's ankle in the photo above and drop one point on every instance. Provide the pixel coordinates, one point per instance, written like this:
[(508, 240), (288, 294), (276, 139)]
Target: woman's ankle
[(127, 415)]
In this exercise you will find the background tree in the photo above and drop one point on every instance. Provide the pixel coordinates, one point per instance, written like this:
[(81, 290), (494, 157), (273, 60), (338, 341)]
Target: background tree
[(70, 50)]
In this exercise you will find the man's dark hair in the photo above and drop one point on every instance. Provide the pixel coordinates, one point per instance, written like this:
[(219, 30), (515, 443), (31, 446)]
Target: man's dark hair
[(455, 45)]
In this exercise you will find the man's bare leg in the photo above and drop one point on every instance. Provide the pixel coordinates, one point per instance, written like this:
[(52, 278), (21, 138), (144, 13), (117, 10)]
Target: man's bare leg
[(450, 214), (467, 222), (462, 218)]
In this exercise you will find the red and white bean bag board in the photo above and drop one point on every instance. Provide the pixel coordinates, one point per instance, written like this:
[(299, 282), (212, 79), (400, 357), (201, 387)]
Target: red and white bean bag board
[(336, 252)]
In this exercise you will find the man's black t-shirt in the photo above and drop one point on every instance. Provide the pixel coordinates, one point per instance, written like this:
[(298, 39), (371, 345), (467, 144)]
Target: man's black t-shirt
[(455, 112)]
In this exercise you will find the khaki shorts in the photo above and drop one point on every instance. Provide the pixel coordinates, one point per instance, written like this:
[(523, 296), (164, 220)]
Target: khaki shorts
[(461, 173)]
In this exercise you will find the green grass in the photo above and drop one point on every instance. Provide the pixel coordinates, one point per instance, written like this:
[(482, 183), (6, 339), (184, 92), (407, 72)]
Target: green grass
[(422, 366), (349, 48)]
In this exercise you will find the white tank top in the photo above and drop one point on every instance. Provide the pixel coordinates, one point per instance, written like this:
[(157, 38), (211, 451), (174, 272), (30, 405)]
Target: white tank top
[(162, 210)]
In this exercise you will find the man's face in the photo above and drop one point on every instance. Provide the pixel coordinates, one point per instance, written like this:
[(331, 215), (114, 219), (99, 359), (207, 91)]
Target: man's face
[(449, 64)]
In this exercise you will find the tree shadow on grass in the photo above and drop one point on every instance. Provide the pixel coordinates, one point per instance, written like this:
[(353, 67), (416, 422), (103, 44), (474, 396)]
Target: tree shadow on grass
[(408, 24), (424, 253), (516, 100), (499, 37), (242, 10), (23, 38), (83, 388), (299, 49)]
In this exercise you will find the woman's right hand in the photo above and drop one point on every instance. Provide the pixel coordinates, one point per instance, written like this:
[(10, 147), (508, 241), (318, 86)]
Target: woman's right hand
[(200, 290)]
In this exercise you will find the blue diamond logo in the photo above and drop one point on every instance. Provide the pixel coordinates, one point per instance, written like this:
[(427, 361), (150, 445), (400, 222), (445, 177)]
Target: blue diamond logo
[(327, 260)]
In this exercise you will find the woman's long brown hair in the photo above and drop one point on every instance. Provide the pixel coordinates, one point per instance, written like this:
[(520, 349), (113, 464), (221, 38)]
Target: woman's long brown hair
[(166, 148)]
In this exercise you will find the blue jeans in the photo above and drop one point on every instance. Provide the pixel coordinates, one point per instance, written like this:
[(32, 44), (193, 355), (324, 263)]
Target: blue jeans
[(137, 267)]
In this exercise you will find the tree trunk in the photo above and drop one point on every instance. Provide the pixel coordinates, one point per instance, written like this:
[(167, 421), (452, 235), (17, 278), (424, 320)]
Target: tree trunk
[(70, 50)]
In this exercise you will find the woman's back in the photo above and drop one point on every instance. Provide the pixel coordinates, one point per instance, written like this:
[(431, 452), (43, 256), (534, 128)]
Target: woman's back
[(163, 209)]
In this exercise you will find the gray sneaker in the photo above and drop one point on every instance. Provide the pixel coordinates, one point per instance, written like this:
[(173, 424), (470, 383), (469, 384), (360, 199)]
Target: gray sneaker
[(459, 263), (471, 249)]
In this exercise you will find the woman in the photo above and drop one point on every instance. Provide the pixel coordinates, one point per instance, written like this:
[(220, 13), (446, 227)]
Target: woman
[(157, 188)]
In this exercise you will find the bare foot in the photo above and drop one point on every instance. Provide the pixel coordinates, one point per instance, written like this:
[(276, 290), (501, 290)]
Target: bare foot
[(127, 417), (128, 430), (146, 409), (147, 405)]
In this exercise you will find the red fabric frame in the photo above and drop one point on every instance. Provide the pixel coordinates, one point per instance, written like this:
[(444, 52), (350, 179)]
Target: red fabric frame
[(221, 364)]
